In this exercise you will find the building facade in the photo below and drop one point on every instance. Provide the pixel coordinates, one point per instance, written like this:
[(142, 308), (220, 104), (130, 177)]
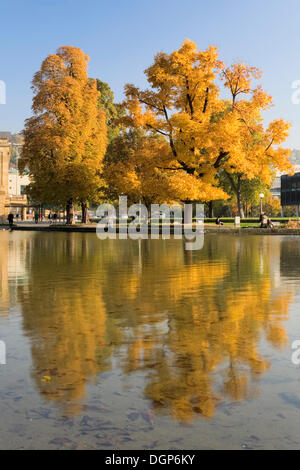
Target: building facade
[(12, 184), (290, 190), (276, 186), (17, 183), (5, 149)]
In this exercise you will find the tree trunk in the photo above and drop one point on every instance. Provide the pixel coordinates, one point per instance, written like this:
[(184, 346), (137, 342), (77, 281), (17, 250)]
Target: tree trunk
[(70, 213), (85, 214), (239, 203), (210, 209), (236, 186), (188, 212)]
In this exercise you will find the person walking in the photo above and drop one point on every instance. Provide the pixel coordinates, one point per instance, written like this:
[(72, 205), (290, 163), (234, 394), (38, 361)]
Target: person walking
[(36, 217), (10, 219)]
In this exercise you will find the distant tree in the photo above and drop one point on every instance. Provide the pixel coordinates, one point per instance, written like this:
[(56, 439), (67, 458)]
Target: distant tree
[(244, 192), (272, 205), (114, 111), (15, 155)]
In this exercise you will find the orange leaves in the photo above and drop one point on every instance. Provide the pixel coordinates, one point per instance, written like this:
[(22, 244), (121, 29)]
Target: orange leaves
[(278, 131), (187, 187), (188, 131), (65, 140), (207, 133), (260, 99), (237, 78)]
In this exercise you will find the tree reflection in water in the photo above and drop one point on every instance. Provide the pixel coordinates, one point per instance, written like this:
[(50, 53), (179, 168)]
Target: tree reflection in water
[(190, 321)]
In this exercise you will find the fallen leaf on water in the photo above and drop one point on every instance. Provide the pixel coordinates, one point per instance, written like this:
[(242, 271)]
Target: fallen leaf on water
[(46, 378)]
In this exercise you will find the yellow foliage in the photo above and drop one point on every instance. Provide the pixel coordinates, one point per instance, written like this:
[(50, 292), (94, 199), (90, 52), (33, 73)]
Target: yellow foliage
[(192, 328), (65, 140), (205, 132)]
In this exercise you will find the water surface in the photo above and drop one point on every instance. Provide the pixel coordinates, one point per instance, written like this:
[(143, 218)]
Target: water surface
[(134, 345)]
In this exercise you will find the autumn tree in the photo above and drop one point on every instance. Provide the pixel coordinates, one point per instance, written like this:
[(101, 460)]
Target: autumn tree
[(259, 152), (272, 205), (207, 132), (65, 139)]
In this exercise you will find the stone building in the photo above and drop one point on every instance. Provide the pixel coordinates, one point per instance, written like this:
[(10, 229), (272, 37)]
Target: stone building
[(17, 183), (5, 148), (12, 185)]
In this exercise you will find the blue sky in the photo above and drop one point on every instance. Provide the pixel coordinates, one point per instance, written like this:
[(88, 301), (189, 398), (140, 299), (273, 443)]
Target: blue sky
[(122, 36)]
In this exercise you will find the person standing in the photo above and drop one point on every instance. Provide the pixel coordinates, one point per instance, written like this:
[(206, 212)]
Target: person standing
[(36, 217)]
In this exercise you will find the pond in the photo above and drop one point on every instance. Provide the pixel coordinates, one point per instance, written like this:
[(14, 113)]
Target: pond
[(123, 344)]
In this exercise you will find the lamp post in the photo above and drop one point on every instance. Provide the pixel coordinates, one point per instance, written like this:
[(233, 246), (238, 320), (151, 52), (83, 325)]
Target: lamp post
[(261, 202)]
